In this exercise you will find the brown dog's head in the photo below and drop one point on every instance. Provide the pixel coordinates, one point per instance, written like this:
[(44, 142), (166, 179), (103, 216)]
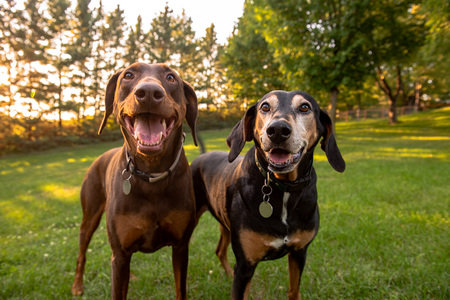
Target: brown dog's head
[(286, 125), (150, 102)]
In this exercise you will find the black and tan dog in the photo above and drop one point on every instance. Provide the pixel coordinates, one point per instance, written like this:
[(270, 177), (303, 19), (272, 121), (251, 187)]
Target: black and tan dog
[(266, 202), (146, 185)]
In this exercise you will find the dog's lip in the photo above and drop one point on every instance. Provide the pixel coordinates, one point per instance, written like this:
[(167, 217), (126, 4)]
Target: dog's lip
[(149, 130), (280, 158)]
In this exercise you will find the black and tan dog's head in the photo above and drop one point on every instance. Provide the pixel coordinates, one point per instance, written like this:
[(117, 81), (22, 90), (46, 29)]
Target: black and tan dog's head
[(150, 102), (285, 126)]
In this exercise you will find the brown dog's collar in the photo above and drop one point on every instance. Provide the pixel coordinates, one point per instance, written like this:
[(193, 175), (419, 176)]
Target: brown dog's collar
[(291, 186), (155, 177)]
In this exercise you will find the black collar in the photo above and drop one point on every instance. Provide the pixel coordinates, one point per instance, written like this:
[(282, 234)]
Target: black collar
[(289, 186), (155, 177)]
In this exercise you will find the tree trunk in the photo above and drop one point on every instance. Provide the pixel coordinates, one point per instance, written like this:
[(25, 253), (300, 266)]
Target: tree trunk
[(392, 98), (417, 90), (358, 110), (392, 113), (333, 104)]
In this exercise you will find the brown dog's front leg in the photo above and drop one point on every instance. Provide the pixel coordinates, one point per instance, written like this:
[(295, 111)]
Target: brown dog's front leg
[(296, 264), (91, 219), (120, 274), (180, 256)]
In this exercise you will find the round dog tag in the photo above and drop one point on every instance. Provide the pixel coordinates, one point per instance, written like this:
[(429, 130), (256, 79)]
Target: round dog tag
[(126, 187), (265, 209)]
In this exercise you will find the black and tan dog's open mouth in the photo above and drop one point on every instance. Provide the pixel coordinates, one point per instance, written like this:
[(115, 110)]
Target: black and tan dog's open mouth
[(280, 158), (149, 130)]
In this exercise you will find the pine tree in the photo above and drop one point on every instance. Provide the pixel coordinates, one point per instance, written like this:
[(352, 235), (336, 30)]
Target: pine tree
[(80, 51), (59, 18)]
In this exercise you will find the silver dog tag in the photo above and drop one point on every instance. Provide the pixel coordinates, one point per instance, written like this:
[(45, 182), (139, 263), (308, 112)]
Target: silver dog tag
[(265, 209), (126, 186)]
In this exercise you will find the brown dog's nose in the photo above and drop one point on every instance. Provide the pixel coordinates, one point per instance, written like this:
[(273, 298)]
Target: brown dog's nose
[(279, 131), (149, 91)]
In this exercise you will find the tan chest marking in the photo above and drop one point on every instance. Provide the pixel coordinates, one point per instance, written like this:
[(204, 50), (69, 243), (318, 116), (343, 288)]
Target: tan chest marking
[(256, 245), (300, 239)]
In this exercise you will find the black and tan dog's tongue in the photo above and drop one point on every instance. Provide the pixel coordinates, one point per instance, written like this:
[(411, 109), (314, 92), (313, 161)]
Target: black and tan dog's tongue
[(149, 129), (279, 156)]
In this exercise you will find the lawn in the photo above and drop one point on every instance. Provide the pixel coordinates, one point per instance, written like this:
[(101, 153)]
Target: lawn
[(384, 223)]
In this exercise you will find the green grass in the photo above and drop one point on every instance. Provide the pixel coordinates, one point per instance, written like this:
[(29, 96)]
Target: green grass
[(384, 224)]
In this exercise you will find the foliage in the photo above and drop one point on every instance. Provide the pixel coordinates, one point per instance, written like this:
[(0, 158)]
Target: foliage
[(384, 224), (58, 58), (343, 47), (250, 66)]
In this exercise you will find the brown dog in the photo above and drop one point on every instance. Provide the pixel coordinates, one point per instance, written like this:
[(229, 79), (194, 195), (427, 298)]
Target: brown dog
[(266, 201), (146, 185)]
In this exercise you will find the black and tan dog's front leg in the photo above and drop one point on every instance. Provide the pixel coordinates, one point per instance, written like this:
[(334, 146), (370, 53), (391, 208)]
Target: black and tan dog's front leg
[(243, 272), (120, 273), (297, 261)]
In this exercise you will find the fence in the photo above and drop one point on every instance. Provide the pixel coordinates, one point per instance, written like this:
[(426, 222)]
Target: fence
[(372, 113)]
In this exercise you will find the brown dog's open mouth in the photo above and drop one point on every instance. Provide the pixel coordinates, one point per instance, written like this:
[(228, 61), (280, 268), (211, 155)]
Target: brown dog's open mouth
[(279, 158), (149, 130)]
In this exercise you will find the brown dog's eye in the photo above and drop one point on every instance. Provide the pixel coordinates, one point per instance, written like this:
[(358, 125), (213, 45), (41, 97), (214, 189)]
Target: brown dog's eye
[(170, 78), (265, 107), (304, 108), (128, 75)]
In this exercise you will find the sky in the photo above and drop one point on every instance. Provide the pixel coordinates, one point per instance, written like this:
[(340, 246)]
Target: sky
[(224, 14)]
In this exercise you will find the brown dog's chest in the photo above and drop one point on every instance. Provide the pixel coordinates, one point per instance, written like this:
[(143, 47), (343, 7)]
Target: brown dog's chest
[(148, 233)]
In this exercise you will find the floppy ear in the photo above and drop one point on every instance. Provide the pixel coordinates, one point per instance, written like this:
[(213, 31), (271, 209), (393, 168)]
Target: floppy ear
[(329, 145), (109, 99), (191, 109), (242, 132)]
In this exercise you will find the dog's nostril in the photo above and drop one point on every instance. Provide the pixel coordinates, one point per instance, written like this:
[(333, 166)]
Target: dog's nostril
[(158, 95), (140, 94), (286, 132), (270, 131)]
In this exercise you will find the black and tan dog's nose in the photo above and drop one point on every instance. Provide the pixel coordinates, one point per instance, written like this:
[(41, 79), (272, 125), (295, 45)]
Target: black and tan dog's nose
[(279, 131), (149, 91)]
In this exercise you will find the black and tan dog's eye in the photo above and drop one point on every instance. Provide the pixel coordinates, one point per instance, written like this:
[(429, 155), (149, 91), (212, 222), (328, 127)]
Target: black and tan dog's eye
[(304, 108), (170, 78), (265, 107), (128, 75)]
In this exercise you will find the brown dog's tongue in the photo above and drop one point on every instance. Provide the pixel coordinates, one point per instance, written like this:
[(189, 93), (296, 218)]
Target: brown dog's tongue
[(148, 129)]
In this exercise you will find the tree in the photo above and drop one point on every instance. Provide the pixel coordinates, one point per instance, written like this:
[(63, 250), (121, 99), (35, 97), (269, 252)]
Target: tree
[(396, 34), (134, 45), (319, 44), (58, 21), (250, 65), (160, 37), (8, 56), (210, 74), (188, 49), (433, 62), (112, 36), (31, 43)]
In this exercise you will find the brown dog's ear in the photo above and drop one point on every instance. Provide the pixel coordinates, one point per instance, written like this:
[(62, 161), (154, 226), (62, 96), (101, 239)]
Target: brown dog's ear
[(109, 99), (242, 132), (191, 109), (329, 145)]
